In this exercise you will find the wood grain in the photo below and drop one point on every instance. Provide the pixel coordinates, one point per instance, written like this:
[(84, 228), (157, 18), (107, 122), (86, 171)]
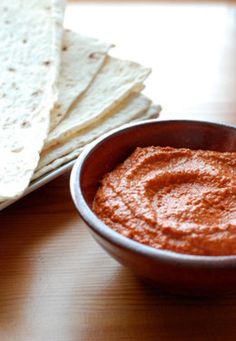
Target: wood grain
[(56, 283)]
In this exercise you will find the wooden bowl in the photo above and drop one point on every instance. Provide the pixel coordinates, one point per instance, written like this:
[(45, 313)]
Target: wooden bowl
[(178, 273)]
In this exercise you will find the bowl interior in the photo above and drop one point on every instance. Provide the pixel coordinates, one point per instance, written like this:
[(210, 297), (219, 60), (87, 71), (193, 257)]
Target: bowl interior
[(114, 149)]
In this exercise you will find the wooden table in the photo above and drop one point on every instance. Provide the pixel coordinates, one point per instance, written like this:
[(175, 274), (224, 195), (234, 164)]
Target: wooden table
[(56, 283)]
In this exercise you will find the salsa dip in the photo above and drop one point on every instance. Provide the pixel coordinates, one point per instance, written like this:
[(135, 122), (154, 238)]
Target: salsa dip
[(179, 200)]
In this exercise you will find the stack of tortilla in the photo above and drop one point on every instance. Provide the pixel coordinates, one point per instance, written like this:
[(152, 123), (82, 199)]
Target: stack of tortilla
[(59, 91)]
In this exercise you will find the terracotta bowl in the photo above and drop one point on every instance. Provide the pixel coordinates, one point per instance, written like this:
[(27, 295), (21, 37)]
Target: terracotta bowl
[(178, 273)]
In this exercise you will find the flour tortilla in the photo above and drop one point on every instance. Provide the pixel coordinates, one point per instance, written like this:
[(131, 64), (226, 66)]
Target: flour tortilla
[(81, 59), (135, 109), (115, 81), (152, 113), (30, 45), (135, 104)]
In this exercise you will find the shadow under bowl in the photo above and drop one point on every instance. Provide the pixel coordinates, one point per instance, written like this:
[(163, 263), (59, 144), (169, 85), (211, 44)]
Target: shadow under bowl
[(174, 272)]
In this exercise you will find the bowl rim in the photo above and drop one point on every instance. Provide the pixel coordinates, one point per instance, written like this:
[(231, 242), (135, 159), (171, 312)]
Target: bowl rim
[(121, 241)]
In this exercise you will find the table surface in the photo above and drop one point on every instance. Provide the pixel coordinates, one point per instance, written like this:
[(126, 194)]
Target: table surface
[(56, 283)]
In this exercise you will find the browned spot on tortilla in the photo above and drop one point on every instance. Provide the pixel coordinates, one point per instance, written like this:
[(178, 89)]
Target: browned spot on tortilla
[(94, 55), (24, 41), (36, 93), (7, 22), (11, 69), (46, 62), (17, 149), (25, 124), (64, 48)]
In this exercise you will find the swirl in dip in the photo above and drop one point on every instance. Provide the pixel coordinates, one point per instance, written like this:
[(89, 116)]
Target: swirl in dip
[(175, 199)]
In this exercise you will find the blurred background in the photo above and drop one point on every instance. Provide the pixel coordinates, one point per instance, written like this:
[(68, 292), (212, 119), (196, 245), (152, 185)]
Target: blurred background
[(190, 46)]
